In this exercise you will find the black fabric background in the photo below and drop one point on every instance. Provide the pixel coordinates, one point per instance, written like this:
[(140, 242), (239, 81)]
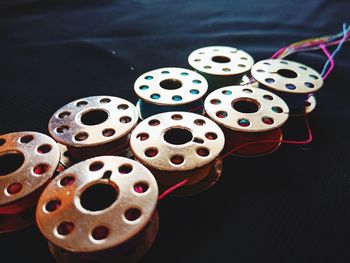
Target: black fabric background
[(290, 206)]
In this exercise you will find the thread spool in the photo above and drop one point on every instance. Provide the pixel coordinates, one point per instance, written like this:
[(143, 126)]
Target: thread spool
[(294, 82), (221, 66), (94, 126), (180, 145), (28, 160), (247, 114), (170, 89), (100, 210)]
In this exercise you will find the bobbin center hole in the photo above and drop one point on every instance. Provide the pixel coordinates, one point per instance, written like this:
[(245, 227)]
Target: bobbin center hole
[(170, 84), (99, 196), (178, 136), (10, 162), (246, 105), (287, 73), (94, 117), (221, 59)]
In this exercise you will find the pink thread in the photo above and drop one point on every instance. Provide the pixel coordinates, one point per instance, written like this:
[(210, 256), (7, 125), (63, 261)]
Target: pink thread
[(329, 56), (172, 188)]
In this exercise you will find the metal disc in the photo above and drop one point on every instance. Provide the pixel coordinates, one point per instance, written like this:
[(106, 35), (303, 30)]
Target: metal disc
[(204, 141), (93, 121), (287, 76), (269, 111), (170, 86), (38, 159), (67, 220), (220, 60)]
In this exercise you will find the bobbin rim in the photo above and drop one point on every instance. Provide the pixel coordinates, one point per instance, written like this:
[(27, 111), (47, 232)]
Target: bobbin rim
[(200, 128), (219, 107), (307, 79), (122, 117), (114, 217), (201, 60), (37, 168), (148, 85)]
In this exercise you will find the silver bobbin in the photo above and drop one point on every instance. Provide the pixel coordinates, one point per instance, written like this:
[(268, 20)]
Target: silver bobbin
[(66, 124), (170, 86), (40, 156), (150, 147), (287, 76), (67, 223), (220, 60), (271, 111)]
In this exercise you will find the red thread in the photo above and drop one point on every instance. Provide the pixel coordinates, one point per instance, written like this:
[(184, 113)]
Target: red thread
[(276, 141), (172, 189)]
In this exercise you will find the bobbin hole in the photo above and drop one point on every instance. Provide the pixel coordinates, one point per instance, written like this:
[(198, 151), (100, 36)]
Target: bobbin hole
[(10, 162), (45, 148), (67, 180), (100, 233), (221, 59), (99, 196), (2, 142), (177, 159), (170, 84), (141, 187), (94, 117), (65, 228), (125, 168), (41, 168), (246, 105), (132, 214), (178, 136), (53, 205), (14, 188), (26, 139), (287, 73), (95, 166)]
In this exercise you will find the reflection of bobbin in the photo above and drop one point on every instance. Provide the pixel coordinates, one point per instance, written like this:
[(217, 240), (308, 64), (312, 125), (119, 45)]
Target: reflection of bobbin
[(27, 162), (94, 126), (177, 146), (221, 66), (295, 83), (170, 89), (100, 210), (247, 115)]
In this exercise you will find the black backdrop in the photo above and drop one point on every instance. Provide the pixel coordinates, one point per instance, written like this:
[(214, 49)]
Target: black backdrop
[(290, 206)]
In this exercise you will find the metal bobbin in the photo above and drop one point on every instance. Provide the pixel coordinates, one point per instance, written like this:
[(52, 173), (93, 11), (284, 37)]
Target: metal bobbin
[(180, 145), (292, 81), (100, 210), (28, 160), (247, 114), (170, 89), (93, 126), (221, 66)]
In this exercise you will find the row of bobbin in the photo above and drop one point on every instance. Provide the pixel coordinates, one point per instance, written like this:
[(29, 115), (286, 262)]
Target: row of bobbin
[(28, 161)]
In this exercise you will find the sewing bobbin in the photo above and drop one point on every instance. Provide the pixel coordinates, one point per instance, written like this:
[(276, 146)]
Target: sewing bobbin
[(247, 115), (221, 66), (180, 145), (94, 126), (28, 160), (170, 89), (100, 210), (294, 82)]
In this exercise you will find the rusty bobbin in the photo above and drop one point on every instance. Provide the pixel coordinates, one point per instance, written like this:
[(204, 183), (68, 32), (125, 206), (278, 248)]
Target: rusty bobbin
[(100, 210), (180, 145), (28, 160), (94, 126)]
